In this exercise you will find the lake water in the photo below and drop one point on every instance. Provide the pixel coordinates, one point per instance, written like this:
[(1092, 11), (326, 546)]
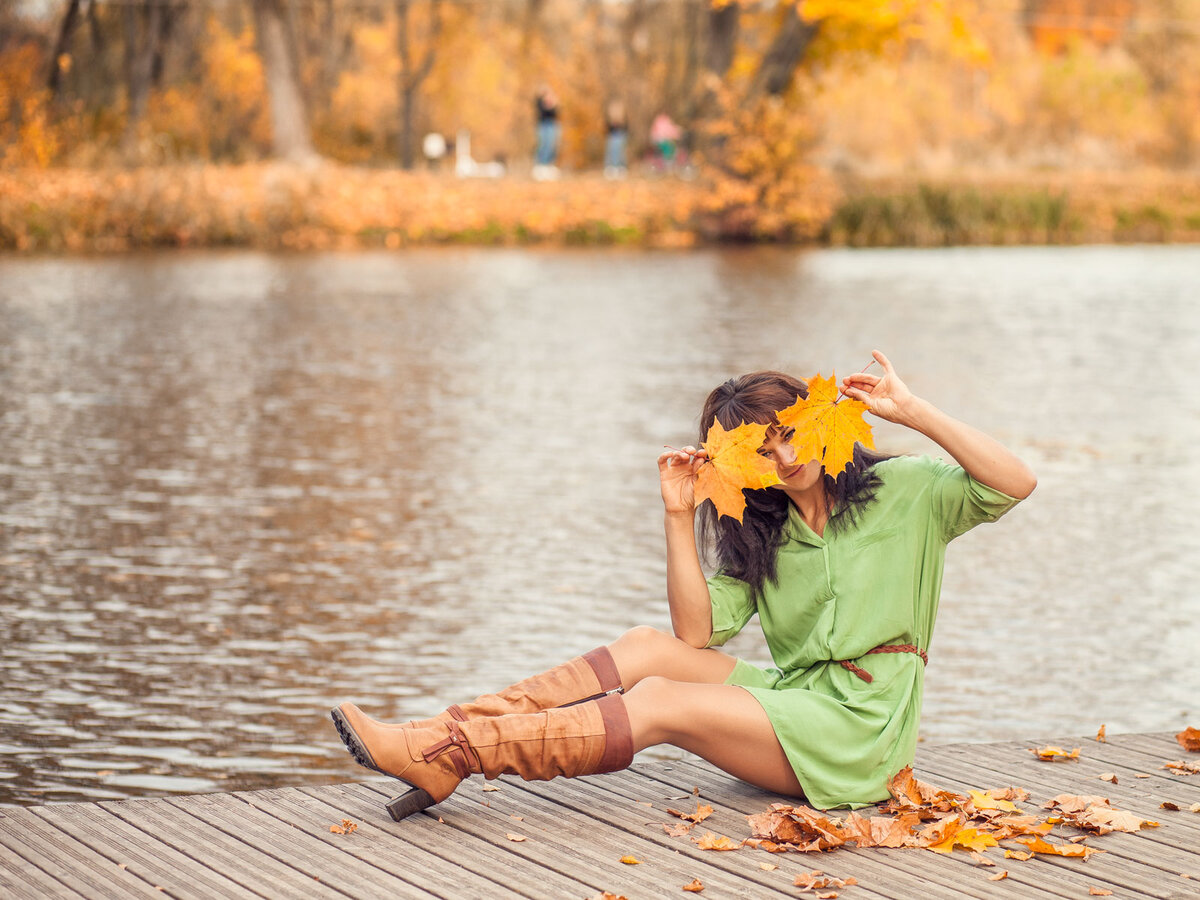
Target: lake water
[(236, 488)]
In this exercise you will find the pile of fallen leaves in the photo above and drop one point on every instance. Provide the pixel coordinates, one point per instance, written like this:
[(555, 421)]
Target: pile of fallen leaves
[(920, 816)]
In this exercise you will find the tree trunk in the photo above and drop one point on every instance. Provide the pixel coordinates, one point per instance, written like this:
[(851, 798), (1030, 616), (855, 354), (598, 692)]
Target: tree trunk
[(784, 55), (143, 24), (722, 38), (70, 20), (290, 137), (412, 75)]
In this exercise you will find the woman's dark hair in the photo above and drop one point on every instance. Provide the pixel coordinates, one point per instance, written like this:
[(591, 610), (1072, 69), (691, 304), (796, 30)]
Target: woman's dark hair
[(749, 551)]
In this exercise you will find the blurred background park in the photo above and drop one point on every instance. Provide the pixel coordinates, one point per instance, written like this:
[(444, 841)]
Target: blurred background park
[(275, 434), (330, 123)]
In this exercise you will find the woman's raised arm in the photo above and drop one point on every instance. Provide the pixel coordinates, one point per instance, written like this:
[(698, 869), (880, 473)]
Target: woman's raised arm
[(983, 457), (687, 589)]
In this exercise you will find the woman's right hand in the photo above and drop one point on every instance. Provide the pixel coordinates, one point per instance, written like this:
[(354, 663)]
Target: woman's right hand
[(677, 477)]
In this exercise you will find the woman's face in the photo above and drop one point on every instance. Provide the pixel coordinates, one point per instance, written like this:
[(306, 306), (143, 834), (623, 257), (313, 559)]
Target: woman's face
[(794, 475)]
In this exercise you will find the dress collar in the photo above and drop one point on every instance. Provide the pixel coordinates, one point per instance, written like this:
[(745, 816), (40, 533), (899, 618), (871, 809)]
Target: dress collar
[(799, 530)]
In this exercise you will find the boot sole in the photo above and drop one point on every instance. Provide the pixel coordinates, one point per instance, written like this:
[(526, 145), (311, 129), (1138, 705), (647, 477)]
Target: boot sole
[(411, 801)]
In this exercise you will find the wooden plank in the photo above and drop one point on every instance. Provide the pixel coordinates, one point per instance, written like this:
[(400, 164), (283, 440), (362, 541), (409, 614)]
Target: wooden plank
[(208, 851), (277, 843), (139, 851), (495, 861), (67, 860), (398, 849), (22, 880), (567, 839), (316, 862), (732, 800)]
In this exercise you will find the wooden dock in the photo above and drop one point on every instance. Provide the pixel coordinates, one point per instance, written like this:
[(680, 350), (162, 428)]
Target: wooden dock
[(278, 843)]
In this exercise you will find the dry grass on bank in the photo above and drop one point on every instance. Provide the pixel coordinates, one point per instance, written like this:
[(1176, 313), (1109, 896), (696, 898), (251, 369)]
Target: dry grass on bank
[(278, 207)]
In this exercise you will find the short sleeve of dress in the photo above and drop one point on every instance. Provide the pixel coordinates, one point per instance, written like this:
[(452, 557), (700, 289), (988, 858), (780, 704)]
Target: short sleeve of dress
[(960, 502), (732, 607)]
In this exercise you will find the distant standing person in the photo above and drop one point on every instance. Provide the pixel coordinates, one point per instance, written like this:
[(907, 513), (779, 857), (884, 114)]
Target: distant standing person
[(664, 134), (617, 127), (549, 132)]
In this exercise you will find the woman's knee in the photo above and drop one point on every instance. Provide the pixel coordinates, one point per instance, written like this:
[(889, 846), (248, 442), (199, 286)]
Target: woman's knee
[(652, 705), (642, 651)]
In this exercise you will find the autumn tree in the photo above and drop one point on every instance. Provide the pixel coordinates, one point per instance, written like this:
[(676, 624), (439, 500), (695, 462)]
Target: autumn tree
[(290, 135), (413, 71)]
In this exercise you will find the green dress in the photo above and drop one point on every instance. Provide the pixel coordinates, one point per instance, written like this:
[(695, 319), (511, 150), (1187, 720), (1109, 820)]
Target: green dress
[(876, 582)]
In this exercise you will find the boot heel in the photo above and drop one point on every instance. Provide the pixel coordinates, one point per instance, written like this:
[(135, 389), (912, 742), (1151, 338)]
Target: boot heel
[(412, 801)]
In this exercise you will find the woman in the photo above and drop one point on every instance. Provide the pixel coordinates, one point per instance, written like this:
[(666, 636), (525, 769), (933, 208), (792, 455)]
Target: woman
[(844, 575)]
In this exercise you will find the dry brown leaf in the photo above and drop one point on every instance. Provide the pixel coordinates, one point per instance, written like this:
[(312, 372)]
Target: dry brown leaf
[(1184, 768), (1189, 739), (1142, 775), (490, 787), (768, 867), (515, 837), (1017, 854), (1110, 777), (695, 886), (1195, 807), (1037, 845), (1072, 803), (980, 859), (1099, 892), (631, 860), (908, 790), (1054, 754), (703, 811), (337, 829), (999, 876), (828, 895), (515, 816), (678, 830), (801, 826), (710, 841), (1100, 735), (1167, 804)]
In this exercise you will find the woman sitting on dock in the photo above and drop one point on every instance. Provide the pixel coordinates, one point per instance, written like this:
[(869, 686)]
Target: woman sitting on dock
[(844, 575)]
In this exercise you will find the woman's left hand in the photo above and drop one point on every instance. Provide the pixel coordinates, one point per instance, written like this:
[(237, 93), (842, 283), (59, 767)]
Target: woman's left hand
[(885, 395)]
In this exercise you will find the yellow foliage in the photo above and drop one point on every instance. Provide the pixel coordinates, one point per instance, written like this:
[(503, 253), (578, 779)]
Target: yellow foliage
[(763, 184)]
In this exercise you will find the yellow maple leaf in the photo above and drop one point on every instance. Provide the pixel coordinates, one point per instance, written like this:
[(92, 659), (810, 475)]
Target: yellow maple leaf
[(826, 429), (983, 800), (734, 463)]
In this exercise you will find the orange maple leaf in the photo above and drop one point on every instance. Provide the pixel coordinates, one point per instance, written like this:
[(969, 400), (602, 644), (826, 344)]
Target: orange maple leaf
[(826, 429), (1189, 739), (733, 463)]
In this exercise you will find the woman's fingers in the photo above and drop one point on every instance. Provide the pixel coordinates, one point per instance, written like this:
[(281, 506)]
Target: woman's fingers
[(883, 361), (862, 379)]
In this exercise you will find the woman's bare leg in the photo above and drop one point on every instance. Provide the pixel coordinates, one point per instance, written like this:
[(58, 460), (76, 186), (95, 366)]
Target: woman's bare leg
[(722, 723), (644, 651)]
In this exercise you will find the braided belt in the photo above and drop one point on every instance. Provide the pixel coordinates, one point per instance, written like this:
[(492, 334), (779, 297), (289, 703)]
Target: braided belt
[(882, 648)]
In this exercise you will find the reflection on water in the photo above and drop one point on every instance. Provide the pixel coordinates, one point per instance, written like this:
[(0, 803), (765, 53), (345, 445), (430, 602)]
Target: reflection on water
[(236, 489)]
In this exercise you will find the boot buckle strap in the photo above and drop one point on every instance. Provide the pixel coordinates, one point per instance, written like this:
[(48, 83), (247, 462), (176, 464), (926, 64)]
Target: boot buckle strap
[(455, 743)]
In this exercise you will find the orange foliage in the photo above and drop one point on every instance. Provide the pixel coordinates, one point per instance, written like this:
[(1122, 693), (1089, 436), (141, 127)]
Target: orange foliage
[(1055, 24), (27, 137)]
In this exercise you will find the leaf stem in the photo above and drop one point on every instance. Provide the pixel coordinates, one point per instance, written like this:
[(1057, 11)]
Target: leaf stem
[(860, 371)]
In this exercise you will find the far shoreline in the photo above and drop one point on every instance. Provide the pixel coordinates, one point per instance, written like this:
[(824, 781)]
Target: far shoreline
[(271, 206)]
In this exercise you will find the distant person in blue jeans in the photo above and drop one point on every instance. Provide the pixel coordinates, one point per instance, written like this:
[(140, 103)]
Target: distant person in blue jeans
[(549, 131), (617, 129)]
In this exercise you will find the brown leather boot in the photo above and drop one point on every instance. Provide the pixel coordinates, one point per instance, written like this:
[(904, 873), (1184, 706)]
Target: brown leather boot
[(586, 677), (584, 739)]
